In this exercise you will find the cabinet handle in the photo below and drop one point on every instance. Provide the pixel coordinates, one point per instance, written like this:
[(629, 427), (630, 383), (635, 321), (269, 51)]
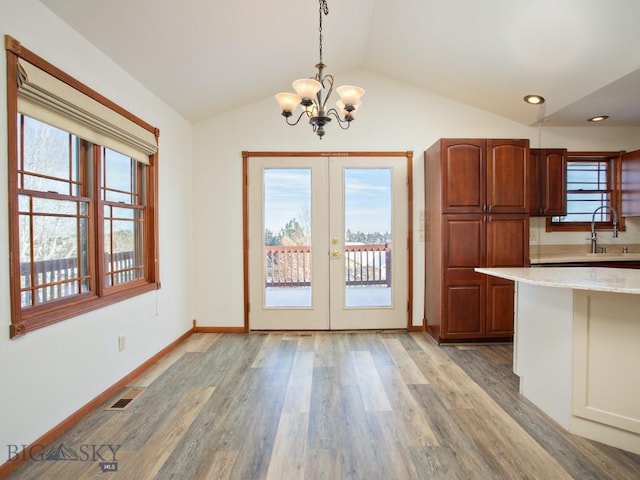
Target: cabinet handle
[(490, 208), (484, 207)]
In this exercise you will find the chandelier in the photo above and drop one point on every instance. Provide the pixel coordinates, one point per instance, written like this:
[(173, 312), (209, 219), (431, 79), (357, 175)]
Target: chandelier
[(312, 94)]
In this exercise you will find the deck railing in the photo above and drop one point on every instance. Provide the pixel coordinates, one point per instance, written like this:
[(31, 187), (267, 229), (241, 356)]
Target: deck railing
[(285, 266), (57, 278), (290, 266), (368, 264)]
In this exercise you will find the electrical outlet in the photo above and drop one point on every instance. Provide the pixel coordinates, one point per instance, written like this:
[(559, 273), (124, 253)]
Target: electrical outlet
[(121, 343), (533, 234)]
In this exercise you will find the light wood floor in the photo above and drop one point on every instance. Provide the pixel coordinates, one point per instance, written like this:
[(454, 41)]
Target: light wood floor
[(383, 405)]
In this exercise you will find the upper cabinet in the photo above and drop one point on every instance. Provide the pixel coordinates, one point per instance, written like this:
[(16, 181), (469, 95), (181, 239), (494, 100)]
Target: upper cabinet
[(631, 184), (548, 182), (485, 175), (507, 167), (463, 175)]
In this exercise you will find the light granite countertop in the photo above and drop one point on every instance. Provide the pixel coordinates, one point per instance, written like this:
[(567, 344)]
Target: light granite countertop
[(619, 280)]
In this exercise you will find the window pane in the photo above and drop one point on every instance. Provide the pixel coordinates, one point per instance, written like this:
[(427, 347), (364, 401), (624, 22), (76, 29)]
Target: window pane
[(54, 207), (287, 237), (53, 249), (119, 178), (367, 227), (588, 187), (54, 238), (51, 162), (123, 236), (46, 149), (25, 245), (587, 196), (123, 227), (83, 245), (75, 165), (123, 213), (123, 245)]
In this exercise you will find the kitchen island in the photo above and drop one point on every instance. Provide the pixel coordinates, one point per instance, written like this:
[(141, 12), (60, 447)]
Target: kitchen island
[(577, 348)]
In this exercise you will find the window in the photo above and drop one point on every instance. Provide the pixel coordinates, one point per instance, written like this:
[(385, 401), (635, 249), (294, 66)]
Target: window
[(54, 214), (82, 196), (593, 181), (123, 198)]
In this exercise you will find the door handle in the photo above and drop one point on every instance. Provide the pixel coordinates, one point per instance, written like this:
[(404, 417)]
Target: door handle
[(335, 253)]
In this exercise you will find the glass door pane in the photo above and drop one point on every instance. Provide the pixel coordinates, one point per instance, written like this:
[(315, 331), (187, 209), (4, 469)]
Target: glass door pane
[(287, 237), (367, 242), (288, 265), (368, 213)]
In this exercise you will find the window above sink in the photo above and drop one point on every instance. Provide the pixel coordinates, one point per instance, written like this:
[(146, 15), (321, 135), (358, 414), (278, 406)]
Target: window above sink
[(593, 181)]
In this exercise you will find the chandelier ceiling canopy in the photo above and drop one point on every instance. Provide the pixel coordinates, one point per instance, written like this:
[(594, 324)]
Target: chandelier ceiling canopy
[(313, 93)]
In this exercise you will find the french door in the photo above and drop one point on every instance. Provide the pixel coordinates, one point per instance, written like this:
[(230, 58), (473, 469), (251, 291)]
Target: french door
[(327, 242)]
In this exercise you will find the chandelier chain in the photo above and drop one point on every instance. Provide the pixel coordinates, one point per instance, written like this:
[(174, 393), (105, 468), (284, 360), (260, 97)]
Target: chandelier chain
[(324, 8)]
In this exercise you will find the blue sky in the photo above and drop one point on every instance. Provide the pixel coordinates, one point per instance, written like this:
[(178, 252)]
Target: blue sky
[(367, 198), (287, 192)]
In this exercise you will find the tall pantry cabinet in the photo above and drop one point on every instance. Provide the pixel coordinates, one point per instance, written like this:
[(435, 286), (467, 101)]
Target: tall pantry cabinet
[(477, 199)]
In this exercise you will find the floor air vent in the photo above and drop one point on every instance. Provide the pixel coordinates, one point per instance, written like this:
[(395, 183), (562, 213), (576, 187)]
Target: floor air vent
[(126, 399), (121, 404)]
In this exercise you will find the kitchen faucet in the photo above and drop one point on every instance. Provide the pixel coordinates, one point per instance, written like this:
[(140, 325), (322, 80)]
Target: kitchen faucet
[(594, 235)]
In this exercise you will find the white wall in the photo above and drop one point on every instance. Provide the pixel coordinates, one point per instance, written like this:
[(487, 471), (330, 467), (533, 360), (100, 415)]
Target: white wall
[(52, 372), (394, 116)]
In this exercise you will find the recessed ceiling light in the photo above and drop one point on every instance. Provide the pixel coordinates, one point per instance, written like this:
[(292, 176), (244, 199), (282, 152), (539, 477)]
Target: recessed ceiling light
[(599, 118), (534, 99)]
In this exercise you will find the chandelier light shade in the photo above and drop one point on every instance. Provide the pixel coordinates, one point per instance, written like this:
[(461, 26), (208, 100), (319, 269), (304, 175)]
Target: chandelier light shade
[(349, 95), (306, 88), (313, 93), (288, 102)]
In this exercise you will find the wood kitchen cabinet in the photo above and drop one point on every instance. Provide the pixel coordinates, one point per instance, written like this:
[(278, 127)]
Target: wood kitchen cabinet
[(476, 204), (484, 175), (475, 305), (631, 184), (548, 182)]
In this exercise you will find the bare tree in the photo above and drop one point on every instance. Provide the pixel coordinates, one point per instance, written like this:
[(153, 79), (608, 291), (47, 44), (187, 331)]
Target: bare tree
[(46, 152)]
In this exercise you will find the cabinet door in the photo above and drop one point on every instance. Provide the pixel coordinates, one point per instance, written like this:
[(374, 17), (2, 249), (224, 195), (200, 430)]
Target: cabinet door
[(463, 175), (631, 183), (553, 182), (463, 306), (507, 240), (507, 246), (500, 307), (463, 241), (548, 180), (507, 174), (463, 303)]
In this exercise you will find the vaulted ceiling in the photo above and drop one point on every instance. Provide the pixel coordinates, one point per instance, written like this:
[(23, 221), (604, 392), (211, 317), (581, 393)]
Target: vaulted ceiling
[(204, 57)]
